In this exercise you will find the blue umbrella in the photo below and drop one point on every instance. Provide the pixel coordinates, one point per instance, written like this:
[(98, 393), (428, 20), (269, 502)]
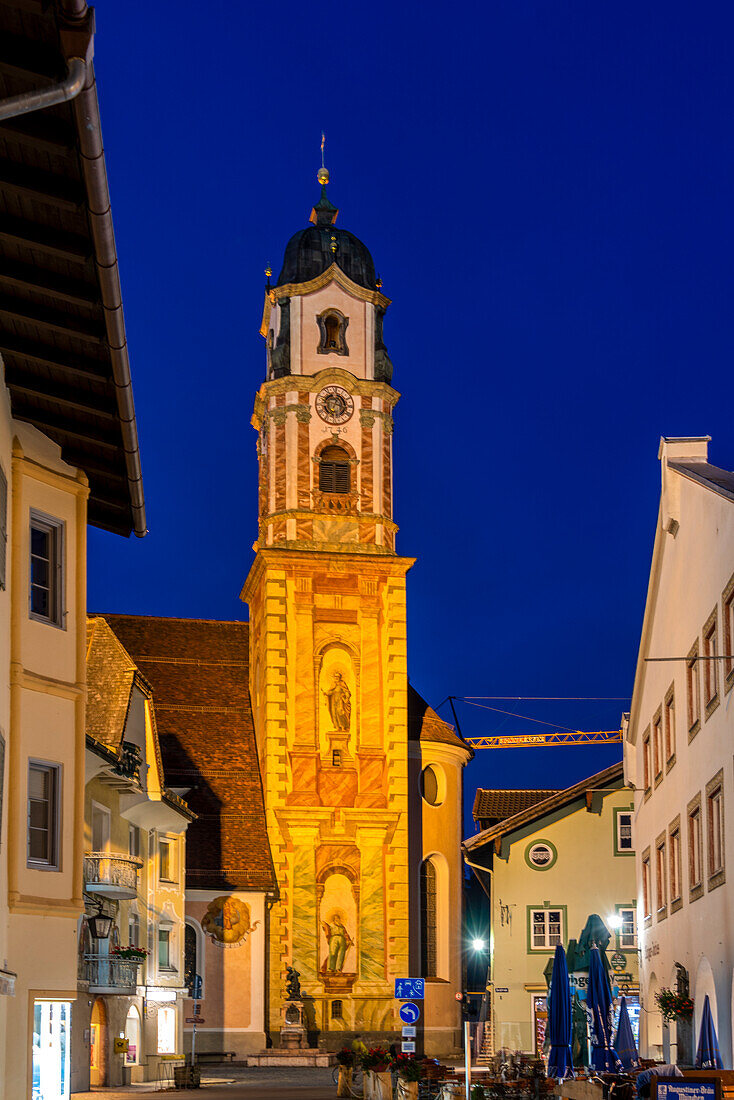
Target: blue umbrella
[(599, 1014), (560, 1062), (708, 1055), (625, 1045)]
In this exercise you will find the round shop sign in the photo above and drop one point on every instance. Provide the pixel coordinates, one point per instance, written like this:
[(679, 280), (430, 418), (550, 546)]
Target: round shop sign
[(540, 854)]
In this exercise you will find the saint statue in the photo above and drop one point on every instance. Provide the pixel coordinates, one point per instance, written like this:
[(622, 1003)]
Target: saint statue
[(339, 702), (338, 940), (292, 983)]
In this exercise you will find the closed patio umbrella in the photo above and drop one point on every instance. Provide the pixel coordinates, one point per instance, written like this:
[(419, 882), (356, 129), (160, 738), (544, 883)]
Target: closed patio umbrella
[(708, 1055), (599, 1013), (560, 1062), (625, 1045)]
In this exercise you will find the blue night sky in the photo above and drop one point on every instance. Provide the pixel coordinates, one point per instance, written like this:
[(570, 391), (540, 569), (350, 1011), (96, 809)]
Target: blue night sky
[(546, 191)]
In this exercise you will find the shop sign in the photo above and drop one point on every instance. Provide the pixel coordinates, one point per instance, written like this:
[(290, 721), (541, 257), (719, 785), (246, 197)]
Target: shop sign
[(618, 961)]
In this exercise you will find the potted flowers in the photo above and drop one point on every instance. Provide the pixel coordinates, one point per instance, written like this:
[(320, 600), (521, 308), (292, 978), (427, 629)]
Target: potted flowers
[(410, 1070), (674, 1005), (345, 1061), (130, 954), (376, 1065)]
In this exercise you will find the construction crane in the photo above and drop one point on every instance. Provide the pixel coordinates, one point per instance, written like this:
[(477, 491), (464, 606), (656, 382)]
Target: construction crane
[(534, 740), (538, 740)]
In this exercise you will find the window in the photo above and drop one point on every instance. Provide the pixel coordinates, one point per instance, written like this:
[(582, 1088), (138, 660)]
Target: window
[(546, 929), (429, 941), (133, 930), (694, 846), (646, 761), (669, 716), (164, 949), (132, 1034), (3, 525), (675, 882), (337, 1010), (166, 1030), (166, 861), (133, 840), (628, 928), (646, 910), (624, 831), (727, 604), (660, 873), (100, 828), (710, 663), (43, 815), (334, 470), (694, 690), (715, 799), (332, 333), (657, 743), (46, 580), (433, 785)]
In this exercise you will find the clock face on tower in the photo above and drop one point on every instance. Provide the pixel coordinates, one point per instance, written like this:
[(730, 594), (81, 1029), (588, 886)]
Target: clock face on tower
[(334, 405)]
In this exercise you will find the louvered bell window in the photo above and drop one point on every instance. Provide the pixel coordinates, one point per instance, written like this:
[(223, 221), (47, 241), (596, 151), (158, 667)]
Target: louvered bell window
[(334, 475)]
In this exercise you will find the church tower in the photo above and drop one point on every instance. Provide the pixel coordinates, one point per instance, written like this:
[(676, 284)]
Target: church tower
[(328, 671)]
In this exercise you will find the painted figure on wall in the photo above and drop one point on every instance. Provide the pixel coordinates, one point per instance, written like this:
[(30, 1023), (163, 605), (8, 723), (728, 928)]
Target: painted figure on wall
[(339, 702), (339, 941)]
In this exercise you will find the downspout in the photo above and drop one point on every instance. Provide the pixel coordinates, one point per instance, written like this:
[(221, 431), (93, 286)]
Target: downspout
[(47, 97)]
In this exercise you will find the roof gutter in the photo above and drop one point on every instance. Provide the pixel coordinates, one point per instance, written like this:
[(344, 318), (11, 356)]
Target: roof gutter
[(76, 30)]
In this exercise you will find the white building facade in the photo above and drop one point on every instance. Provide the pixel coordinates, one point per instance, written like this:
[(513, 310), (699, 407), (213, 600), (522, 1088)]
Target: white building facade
[(679, 753)]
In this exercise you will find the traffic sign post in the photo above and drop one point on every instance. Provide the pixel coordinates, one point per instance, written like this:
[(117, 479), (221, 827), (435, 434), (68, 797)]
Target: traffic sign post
[(409, 1013), (410, 989)]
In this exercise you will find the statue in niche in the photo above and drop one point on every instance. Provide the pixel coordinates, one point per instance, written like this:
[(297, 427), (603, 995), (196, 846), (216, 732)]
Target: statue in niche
[(339, 942), (339, 702), (292, 983)]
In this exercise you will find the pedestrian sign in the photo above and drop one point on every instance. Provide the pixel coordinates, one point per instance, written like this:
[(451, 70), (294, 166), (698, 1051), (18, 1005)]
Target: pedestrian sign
[(409, 1013), (409, 989)]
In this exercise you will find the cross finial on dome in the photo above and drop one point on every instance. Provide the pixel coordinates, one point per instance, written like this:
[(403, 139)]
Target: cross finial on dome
[(323, 213)]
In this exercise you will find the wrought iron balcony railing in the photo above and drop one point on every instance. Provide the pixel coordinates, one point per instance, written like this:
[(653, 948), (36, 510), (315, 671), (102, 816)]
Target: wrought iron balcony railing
[(107, 974), (113, 876)]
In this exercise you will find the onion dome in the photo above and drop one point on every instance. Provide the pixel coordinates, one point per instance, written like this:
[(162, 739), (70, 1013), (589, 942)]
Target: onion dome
[(311, 251)]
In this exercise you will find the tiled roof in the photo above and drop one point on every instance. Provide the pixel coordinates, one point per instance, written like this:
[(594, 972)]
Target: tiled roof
[(198, 670), (609, 779), (497, 805), (110, 675), (425, 725)]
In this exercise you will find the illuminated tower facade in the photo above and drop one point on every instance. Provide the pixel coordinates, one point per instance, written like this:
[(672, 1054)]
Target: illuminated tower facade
[(328, 668)]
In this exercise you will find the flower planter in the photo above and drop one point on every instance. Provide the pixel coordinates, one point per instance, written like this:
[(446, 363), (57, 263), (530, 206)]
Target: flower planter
[(368, 1085), (410, 1089), (344, 1084), (382, 1085)]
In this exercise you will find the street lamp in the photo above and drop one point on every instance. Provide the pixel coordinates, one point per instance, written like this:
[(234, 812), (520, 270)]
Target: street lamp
[(614, 921), (478, 945), (99, 924)]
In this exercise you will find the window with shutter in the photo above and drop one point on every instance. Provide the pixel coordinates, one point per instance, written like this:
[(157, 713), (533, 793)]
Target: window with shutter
[(334, 471)]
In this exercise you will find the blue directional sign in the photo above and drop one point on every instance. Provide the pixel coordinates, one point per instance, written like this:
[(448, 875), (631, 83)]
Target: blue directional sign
[(410, 1014), (409, 989)]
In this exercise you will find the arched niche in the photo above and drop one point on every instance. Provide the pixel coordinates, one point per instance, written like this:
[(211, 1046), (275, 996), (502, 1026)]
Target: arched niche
[(336, 675), (434, 893)]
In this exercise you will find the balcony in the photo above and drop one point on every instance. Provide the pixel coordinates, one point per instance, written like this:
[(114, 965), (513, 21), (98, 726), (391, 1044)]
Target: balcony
[(112, 876), (109, 975)]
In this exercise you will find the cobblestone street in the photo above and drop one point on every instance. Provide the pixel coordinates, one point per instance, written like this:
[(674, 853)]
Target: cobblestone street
[(230, 1084)]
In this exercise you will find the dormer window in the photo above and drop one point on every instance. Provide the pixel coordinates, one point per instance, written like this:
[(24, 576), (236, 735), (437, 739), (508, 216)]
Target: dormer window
[(332, 328), (334, 471)]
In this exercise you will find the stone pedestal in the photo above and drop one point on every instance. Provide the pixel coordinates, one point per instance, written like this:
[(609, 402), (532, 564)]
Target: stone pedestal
[(292, 1031)]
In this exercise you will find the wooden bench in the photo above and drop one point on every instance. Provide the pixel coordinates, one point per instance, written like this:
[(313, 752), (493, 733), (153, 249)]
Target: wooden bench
[(726, 1076), (215, 1055)]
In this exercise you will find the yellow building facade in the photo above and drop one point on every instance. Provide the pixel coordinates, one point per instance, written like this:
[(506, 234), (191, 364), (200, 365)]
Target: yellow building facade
[(341, 736)]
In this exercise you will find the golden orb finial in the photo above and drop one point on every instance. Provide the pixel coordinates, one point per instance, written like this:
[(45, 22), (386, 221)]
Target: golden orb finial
[(323, 176)]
